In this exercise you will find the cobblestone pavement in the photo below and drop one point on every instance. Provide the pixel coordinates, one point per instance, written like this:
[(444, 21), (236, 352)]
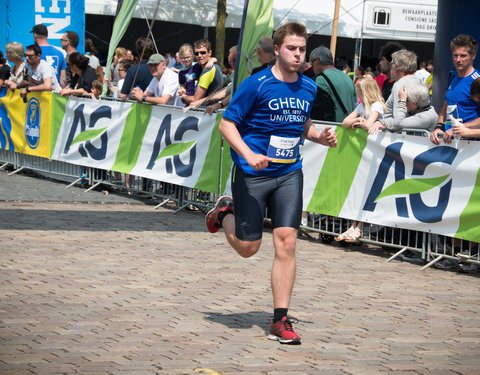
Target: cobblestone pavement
[(124, 289)]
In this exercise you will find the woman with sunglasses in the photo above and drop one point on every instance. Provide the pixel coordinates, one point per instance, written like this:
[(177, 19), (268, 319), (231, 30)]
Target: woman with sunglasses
[(83, 75)]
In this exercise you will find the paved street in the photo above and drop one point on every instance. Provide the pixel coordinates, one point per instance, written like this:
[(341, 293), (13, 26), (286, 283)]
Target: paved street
[(103, 284)]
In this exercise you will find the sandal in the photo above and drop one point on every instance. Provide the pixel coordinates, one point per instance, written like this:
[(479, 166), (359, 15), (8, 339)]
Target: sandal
[(344, 235), (354, 236)]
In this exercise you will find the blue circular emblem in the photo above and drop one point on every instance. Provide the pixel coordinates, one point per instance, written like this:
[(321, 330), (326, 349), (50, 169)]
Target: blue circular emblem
[(32, 123)]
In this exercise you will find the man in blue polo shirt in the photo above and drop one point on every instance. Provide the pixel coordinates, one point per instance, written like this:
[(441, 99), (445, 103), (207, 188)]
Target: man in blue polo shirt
[(54, 56), (458, 102), (263, 125)]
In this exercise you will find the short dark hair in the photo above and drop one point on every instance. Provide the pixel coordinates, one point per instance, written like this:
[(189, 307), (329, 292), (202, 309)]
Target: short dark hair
[(145, 45), (126, 63), (2, 59), (40, 29), (96, 84), (73, 38), (291, 28), (35, 48), (203, 43), (466, 41), (389, 48), (79, 60)]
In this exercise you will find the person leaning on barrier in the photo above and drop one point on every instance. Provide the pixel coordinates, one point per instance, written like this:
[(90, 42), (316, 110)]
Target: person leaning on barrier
[(413, 110), (138, 76), (210, 79), (83, 75), (15, 54), (164, 85), (404, 65), (470, 130), (458, 102), (122, 69), (40, 75)]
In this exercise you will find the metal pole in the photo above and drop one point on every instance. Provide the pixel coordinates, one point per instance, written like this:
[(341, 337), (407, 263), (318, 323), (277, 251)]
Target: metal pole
[(333, 40)]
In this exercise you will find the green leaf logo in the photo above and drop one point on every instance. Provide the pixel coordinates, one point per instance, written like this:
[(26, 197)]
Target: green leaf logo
[(175, 149), (87, 135), (411, 186)]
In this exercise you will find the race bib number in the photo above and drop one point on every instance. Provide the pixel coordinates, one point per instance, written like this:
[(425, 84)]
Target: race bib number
[(283, 150)]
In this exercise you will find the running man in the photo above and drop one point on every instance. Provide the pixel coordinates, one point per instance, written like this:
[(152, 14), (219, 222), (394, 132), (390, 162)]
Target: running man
[(263, 124)]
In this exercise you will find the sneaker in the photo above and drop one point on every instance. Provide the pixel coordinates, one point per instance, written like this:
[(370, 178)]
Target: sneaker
[(282, 331), (212, 220)]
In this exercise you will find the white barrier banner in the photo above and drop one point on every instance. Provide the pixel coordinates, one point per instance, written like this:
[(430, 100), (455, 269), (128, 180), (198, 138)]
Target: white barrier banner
[(90, 133), (396, 180), (162, 143)]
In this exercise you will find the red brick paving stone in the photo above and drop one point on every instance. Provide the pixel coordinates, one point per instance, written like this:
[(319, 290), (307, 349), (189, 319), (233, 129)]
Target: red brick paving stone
[(112, 286)]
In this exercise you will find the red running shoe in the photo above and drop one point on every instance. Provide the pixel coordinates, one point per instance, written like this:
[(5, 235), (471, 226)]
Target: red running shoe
[(282, 331), (224, 204)]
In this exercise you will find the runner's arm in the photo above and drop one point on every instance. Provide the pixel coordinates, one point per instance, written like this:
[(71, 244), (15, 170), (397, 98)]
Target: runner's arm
[(229, 131), (325, 137)]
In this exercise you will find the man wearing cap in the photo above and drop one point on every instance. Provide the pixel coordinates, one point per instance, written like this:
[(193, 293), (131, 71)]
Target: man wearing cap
[(164, 85), (52, 55)]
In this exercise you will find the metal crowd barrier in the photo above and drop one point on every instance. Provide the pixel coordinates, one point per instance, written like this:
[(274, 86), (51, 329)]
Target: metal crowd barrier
[(430, 248)]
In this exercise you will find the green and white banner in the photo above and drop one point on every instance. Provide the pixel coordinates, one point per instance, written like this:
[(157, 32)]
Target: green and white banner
[(162, 143), (396, 180)]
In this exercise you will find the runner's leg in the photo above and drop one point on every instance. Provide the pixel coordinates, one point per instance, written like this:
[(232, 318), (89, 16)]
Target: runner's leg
[(245, 249), (284, 266)]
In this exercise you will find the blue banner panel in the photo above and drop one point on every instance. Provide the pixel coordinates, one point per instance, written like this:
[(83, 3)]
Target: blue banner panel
[(58, 15)]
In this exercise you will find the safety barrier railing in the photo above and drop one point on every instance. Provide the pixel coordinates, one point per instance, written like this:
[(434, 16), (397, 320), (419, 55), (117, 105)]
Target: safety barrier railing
[(429, 247)]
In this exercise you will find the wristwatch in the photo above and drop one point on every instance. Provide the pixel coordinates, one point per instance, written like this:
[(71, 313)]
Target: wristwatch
[(144, 98)]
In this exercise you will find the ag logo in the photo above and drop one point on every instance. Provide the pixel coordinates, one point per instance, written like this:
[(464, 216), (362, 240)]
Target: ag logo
[(171, 152), (413, 186), (87, 132), (32, 123)]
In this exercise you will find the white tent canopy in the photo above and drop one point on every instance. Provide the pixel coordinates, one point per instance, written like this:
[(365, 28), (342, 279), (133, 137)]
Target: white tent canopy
[(381, 19)]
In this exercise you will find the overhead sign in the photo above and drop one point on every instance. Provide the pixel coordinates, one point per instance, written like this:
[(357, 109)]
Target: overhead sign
[(57, 15), (401, 20)]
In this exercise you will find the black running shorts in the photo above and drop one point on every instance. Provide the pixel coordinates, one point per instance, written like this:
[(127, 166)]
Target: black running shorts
[(282, 195)]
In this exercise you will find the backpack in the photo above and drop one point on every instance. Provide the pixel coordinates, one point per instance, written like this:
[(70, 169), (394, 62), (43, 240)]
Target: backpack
[(323, 106)]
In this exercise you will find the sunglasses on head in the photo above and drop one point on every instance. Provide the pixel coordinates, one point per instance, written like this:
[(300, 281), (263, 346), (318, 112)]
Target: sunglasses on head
[(200, 53)]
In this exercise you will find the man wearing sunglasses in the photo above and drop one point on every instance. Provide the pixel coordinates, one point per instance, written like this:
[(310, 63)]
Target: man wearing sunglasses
[(211, 78), (41, 76)]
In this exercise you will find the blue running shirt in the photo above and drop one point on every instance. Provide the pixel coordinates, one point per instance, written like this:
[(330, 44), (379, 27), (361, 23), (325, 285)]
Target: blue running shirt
[(460, 105), (264, 106)]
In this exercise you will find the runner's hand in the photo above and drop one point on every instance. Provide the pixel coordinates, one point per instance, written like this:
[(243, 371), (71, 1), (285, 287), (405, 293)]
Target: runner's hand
[(258, 162), (328, 138)]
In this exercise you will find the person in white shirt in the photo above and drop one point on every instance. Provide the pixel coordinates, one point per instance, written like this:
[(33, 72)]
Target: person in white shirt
[(163, 87), (422, 73), (41, 76)]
